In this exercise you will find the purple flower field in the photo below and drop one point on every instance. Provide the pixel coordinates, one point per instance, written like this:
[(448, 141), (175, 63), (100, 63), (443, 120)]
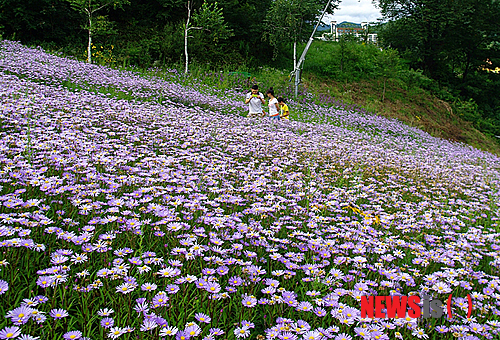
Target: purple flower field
[(139, 207)]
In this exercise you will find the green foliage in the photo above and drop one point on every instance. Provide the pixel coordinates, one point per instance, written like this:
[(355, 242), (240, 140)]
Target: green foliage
[(286, 21), (209, 42), (211, 19), (33, 21), (93, 25), (89, 8), (414, 78), (349, 60), (451, 42), (102, 26), (103, 55)]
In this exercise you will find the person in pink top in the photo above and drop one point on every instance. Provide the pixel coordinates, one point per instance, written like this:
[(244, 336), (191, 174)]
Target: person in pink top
[(274, 107)]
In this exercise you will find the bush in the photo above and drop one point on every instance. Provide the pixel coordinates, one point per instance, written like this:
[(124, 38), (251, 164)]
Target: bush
[(349, 60)]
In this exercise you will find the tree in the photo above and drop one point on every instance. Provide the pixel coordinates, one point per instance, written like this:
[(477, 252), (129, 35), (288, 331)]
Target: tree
[(452, 42), (287, 22), (245, 18), (187, 28), (209, 20), (442, 37), (32, 21), (89, 8)]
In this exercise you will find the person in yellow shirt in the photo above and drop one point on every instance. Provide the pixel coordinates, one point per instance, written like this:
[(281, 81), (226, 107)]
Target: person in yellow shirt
[(284, 111)]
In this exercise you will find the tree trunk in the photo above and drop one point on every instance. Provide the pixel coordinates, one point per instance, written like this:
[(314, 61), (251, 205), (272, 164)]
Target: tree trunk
[(89, 46), (383, 92), (294, 54), (467, 67), (186, 38)]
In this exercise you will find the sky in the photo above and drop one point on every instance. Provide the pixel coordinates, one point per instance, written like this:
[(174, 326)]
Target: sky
[(354, 11)]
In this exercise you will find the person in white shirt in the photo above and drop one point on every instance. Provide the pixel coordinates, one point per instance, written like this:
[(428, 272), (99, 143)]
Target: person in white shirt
[(274, 107), (255, 99)]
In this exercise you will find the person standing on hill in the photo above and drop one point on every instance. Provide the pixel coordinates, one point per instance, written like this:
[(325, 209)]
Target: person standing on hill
[(255, 99), (274, 107), (285, 111)]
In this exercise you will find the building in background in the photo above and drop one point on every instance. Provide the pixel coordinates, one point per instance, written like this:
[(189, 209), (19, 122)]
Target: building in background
[(361, 31)]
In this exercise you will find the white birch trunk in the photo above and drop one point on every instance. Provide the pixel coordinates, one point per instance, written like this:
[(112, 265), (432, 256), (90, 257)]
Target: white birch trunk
[(89, 47), (186, 30), (294, 54)]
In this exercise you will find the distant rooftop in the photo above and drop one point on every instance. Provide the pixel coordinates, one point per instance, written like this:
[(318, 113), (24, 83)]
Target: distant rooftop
[(344, 24)]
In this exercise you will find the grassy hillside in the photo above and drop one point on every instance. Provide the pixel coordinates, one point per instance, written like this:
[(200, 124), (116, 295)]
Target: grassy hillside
[(381, 82), (145, 205), (417, 108)]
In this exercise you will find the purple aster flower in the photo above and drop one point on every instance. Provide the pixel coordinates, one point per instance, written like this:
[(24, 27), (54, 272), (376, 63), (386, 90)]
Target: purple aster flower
[(304, 306), (344, 336), (161, 321), (130, 279), (20, 315), (10, 332), (208, 271), (28, 337), (41, 298), (148, 325), (249, 301), (235, 281), (115, 332), (193, 330), (73, 335), (142, 306), (223, 270), (216, 331), (125, 288), (441, 329), (159, 300), (312, 335), (213, 287), (247, 324), (202, 318), (287, 336), (40, 318), (4, 287), (182, 335), (272, 283), (45, 281), (107, 322), (105, 312), (58, 313), (172, 289), (201, 283), (319, 311)]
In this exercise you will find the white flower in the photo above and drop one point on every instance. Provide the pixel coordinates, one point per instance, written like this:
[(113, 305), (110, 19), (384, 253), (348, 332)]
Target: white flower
[(115, 332), (169, 331), (105, 312), (241, 332)]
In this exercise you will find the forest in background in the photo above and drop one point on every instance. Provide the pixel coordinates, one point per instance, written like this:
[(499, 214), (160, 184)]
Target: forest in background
[(448, 48)]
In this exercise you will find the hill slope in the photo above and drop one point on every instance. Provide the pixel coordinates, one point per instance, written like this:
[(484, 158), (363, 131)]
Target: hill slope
[(416, 108), (157, 208)]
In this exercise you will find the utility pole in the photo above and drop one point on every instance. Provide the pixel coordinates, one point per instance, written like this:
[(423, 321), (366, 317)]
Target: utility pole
[(297, 71)]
